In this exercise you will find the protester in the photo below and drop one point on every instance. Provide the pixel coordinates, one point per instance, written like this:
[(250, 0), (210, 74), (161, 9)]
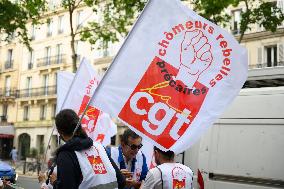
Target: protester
[(130, 159), (47, 183), (14, 155), (168, 174), (80, 162)]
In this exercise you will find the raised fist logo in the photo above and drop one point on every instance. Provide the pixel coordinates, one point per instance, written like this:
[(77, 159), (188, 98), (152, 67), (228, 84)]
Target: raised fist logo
[(195, 57)]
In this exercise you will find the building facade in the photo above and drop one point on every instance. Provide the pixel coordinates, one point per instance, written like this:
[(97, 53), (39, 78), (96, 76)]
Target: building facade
[(28, 78)]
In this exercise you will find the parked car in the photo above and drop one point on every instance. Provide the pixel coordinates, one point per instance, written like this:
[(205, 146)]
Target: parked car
[(7, 172)]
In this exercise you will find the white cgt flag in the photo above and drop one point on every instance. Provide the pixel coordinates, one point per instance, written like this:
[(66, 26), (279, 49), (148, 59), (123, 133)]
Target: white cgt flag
[(174, 75), (74, 92), (64, 80)]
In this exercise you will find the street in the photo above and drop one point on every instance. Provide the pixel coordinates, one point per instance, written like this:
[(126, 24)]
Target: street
[(27, 182)]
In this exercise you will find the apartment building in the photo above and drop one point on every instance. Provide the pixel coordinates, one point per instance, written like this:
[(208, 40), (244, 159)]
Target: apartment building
[(265, 50), (9, 53), (28, 78)]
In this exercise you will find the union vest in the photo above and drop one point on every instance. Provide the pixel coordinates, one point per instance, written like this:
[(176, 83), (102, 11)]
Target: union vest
[(176, 176), (96, 168)]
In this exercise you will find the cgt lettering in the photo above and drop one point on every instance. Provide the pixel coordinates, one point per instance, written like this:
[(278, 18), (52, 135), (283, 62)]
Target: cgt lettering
[(159, 124)]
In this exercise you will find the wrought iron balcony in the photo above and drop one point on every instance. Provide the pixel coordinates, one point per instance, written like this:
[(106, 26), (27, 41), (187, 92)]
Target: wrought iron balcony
[(51, 60), (3, 118), (48, 34), (8, 93), (265, 75), (9, 64), (34, 92), (30, 66), (266, 65), (60, 31)]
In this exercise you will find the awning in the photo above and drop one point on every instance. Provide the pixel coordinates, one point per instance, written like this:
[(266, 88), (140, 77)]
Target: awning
[(7, 131)]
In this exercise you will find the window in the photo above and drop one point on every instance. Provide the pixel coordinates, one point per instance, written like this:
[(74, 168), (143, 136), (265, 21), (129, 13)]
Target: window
[(280, 5), (43, 109), (49, 28), (47, 55), (53, 111), (4, 112), (60, 24), (9, 62), (58, 53), (31, 60), (236, 15), (7, 85), (79, 19), (33, 30), (105, 49), (29, 87), (271, 55), (45, 84), (55, 79), (76, 44), (51, 4), (40, 143), (26, 113)]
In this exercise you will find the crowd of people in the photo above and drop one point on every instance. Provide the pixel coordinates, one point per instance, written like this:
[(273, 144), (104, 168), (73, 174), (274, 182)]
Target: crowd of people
[(81, 163)]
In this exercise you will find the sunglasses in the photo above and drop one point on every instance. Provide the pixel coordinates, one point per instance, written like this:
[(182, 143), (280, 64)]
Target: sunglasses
[(134, 147)]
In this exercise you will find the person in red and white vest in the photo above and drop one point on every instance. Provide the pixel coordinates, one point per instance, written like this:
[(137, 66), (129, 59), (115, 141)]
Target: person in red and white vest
[(82, 164), (168, 174)]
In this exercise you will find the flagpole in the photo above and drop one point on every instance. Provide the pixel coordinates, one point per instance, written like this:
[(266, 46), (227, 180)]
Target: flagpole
[(53, 129), (115, 57)]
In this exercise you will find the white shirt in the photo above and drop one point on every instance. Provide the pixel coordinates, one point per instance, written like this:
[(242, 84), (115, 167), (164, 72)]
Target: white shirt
[(153, 180), (167, 176)]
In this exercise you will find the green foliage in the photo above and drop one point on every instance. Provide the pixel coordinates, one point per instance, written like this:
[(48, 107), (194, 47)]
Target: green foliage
[(33, 153), (14, 17), (117, 16), (267, 14)]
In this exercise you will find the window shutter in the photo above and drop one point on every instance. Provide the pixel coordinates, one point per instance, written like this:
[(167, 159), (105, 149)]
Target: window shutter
[(280, 5), (259, 56), (281, 54)]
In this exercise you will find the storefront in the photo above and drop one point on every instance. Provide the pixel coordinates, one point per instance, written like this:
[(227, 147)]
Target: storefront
[(6, 140)]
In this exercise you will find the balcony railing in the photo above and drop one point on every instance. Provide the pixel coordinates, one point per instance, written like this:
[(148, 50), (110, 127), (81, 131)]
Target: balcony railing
[(30, 66), (9, 64), (3, 118), (33, 92), (48, 34), (265, 65), (51, 60), (60, 31), (8, 93)]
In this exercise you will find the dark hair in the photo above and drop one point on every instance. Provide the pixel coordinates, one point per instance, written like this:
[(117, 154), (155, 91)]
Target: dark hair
[(169, 155), (66, 121), (128, 133)]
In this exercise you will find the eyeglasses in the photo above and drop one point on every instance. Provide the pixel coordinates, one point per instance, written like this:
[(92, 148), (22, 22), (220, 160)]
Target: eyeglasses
[(134, 147)]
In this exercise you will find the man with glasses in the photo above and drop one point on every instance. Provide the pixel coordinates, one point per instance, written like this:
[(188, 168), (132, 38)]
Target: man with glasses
[(130, 159)]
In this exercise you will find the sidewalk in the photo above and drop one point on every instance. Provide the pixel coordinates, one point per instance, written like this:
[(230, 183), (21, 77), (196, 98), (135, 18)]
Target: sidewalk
[(30, 172)]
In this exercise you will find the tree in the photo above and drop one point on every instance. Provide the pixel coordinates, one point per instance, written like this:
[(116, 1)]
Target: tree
[(15, 15), (266, 14), (116, 17)]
